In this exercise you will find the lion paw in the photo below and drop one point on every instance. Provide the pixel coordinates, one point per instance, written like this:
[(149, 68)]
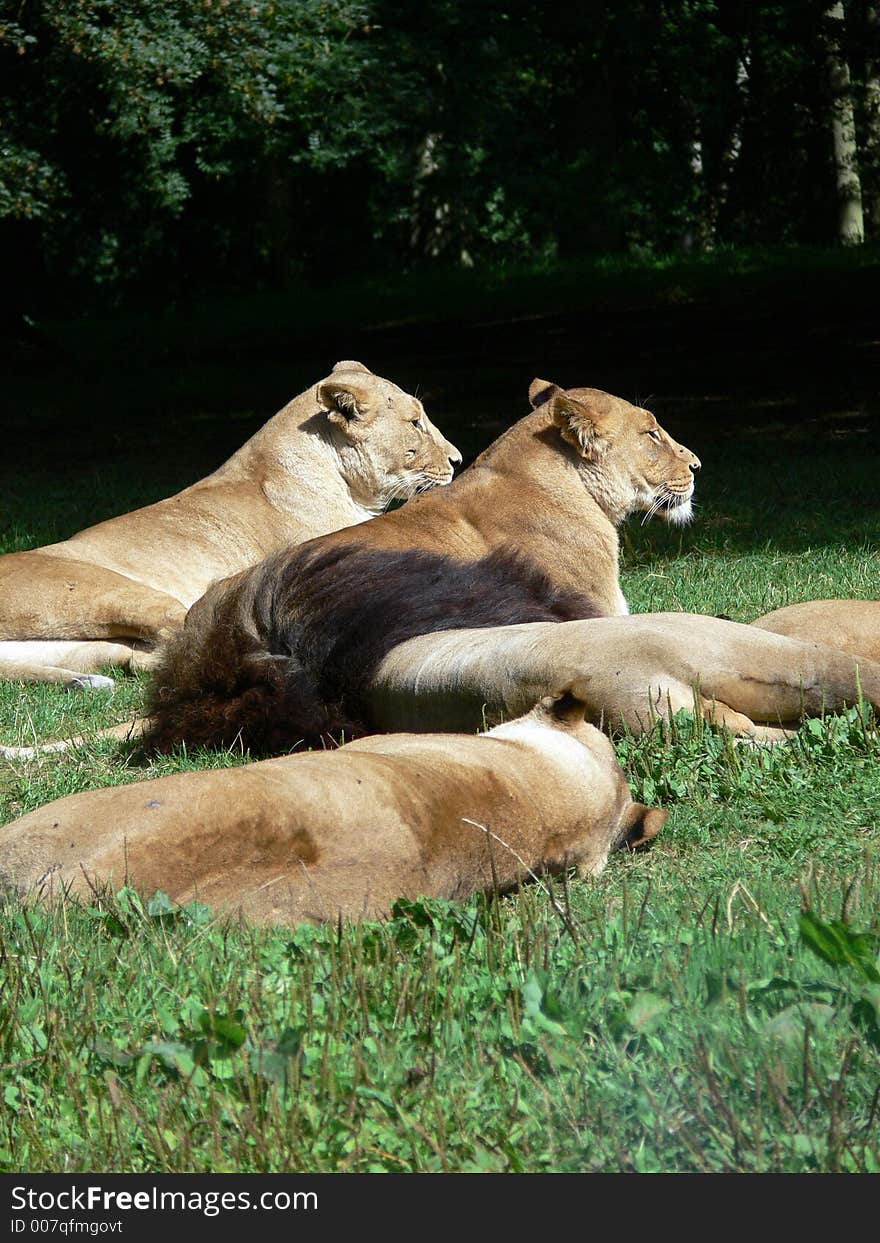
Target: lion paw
[(90, 682)]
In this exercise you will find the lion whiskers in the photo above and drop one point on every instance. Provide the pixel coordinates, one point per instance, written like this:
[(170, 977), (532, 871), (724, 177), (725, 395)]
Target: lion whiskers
[(406, 486), (677, 513), (652, 510)]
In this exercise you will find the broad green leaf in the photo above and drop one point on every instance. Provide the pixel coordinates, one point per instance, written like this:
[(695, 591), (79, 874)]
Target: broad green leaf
[(837, 944), (223, 1028)]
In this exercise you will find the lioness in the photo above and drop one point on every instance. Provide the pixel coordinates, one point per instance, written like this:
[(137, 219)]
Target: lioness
[(334, 456), (344, 833), (851, 625)]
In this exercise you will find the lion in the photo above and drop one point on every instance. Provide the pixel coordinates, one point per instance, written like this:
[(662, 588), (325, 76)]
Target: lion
[(334, 456), (281, 654), (850, 625), (472, 604), (469, 605), (343, 834)]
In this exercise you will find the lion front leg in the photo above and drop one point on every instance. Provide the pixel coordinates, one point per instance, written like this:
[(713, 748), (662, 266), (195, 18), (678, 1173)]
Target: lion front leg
[(628, 670)]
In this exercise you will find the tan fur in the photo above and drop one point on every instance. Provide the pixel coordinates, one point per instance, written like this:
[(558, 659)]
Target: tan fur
[(334, 456), (628, 671), (315, 836), (631, 671), (527, 493), (850, 625), (555, 486)]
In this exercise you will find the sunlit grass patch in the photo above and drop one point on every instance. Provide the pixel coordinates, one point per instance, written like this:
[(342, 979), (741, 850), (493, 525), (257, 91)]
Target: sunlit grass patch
[(709, 1004)]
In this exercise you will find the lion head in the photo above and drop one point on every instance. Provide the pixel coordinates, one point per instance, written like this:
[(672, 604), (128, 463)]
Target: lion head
[(387, 446), (629, 463)]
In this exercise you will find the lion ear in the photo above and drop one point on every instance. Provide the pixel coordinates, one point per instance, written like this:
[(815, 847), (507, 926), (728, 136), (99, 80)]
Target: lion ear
[(540, 391), (579, 425), (640, 824), (566, 709), (344, 402), (350, 365)]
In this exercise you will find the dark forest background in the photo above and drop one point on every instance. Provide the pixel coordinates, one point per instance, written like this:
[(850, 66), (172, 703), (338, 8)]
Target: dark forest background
[(204, 205), (153, 149)]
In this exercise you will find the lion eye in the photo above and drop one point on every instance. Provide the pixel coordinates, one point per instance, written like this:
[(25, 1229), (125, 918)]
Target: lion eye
[(418, 425), (655, 435)]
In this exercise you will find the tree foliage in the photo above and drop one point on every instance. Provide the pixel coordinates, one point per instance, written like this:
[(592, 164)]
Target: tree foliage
[(146, 142)]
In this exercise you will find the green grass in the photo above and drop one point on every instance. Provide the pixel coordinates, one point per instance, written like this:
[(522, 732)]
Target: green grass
[(711, 1004), (673, 1021)]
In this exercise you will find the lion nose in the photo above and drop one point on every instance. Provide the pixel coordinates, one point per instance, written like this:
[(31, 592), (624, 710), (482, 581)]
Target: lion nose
[(455, 458), (695, 464)]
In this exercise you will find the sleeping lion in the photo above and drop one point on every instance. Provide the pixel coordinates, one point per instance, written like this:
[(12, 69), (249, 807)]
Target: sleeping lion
[(850, 625), (344, 833)]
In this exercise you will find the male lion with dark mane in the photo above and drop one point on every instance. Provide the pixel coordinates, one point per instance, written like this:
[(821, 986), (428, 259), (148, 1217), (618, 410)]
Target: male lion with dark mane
[(283, 653), (335, 455)]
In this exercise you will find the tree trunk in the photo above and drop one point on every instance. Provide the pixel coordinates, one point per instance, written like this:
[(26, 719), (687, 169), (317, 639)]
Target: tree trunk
[(692, 239), (871, 144), (430, 218), (713, 159), (851, 230), (728, 157)]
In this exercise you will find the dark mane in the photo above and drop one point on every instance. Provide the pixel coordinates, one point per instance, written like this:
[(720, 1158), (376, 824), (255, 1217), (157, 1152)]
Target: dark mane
[(283, 656)]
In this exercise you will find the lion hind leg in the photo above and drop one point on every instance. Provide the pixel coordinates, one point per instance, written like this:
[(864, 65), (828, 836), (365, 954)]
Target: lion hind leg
[(56, 598)]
